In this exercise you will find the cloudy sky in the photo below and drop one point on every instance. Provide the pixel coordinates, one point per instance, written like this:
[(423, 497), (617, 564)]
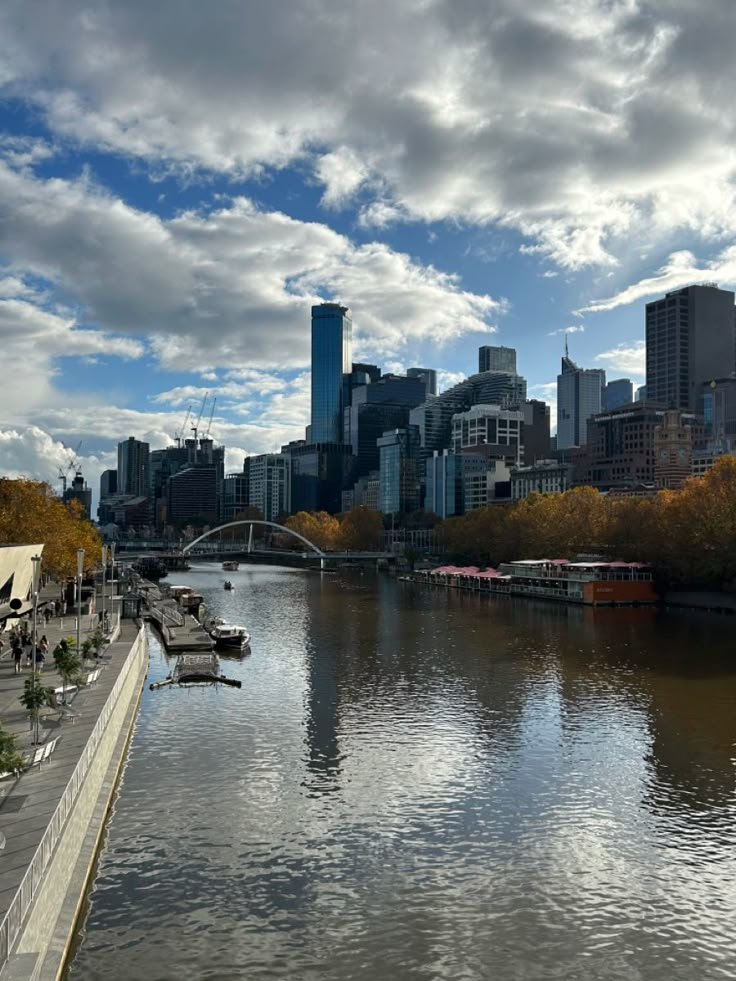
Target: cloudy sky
[(180, 181)]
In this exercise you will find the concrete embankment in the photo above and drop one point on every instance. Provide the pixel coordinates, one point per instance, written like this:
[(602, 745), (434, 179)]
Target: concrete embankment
[(51, 846), (711, 600)]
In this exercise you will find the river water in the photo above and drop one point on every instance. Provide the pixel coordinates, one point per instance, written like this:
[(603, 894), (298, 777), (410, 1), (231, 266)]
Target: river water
[(420, 784)]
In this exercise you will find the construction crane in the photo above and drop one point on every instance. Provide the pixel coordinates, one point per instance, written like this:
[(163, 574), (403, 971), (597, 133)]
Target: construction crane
[(195, 427), (73, 464), (209, 424), (179, 435)]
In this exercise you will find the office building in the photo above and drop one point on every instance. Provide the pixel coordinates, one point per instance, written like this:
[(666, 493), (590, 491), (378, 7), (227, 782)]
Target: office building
[(490, 429), (618, 392), (108, 483), (375, 408), (270, 484), (331, 369), (579, 396), (691, 339), (485, 485), (717, 405), (133, 464), (235, 493), (192, 497), (319, 472), (537, 440), (494, 358), (426, 375), (542, 477), (399, 486), (451, 478), (620, 452)]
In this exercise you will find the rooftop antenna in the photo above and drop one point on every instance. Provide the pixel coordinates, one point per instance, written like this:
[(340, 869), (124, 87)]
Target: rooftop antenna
[(567, 353)]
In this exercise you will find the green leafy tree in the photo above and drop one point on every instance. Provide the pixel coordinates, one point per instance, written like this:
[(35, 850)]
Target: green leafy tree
[(35, 695), (68, 661), (11, 760)]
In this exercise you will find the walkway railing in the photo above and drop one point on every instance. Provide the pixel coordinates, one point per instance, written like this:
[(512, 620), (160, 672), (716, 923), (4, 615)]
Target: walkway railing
[(21, 903)]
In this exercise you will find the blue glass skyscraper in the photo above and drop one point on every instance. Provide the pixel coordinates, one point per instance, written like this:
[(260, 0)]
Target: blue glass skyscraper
[(332, 334)]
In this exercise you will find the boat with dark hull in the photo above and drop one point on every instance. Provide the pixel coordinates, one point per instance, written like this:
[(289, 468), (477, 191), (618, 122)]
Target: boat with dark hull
[(196, 669), (230, 566), (227, 585)]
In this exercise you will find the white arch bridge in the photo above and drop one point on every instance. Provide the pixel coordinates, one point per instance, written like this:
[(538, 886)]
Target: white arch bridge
[(253, 521)]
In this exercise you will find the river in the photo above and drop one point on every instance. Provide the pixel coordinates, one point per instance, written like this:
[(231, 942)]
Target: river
[(418, 784)]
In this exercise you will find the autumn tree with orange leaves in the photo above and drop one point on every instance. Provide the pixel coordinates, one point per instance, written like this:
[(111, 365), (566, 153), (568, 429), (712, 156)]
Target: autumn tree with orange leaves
[(30, 513)]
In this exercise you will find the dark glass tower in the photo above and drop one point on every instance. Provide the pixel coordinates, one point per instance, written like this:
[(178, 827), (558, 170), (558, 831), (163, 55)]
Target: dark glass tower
[(332, 330)]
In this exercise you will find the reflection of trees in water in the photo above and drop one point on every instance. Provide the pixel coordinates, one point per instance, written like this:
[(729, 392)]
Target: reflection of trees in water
[(373, 643)]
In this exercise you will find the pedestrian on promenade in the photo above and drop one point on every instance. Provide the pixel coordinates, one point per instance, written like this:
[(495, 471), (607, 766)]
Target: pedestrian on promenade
[(27, 646), (17, 654), (40, 658), (46, 615)]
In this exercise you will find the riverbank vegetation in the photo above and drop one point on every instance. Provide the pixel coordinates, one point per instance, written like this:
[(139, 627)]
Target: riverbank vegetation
[(358, 530), (30, 514), (688, 535)]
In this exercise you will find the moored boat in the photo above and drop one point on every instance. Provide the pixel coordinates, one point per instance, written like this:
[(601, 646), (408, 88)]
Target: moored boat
[(230, 566), (227, 636), (196, 669)]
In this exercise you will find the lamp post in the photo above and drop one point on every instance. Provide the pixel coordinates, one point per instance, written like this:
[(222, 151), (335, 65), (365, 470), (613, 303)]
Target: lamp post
[(36, 560), (80, 572), (104, 579), (112, 583)]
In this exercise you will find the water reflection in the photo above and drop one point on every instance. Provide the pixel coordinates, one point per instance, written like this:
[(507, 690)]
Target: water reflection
[(418, 784)]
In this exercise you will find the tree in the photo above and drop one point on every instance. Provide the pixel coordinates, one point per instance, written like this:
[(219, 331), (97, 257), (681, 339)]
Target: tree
[(320, 528), (360, 530), (35, 696), (11, 760), (31, 514), (68, 662)]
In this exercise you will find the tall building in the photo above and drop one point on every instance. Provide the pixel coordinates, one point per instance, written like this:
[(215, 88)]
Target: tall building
[(332, 330), (235, 493), (270, 484), (537, 444), (495, 358), (133, 467), (398, 482), (618, 392), (108, 483), (427, 375), (579, 396), (496, 432), (375, 408), (691, 339), (319, 472), (191, 482), (80, 492)]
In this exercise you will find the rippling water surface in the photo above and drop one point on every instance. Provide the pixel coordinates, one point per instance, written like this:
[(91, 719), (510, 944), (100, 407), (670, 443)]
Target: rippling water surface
[(416, 784)]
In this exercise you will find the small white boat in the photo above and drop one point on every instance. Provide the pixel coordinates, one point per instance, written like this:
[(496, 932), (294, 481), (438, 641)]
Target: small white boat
[(227, 636), (230, 566)]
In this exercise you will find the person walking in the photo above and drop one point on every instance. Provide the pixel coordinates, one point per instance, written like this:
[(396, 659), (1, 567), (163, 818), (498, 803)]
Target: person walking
[(27, 645), (17, 649), (40, 656), (46, 615)]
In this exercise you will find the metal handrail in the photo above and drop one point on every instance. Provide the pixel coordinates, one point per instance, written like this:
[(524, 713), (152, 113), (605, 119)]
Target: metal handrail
[(21, 902)]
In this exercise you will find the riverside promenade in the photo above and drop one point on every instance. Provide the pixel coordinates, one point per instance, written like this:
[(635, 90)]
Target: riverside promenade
[(53, 815)]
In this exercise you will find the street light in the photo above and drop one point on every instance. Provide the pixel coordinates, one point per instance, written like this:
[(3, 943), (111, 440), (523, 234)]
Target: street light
[(104, 577), (112, 582), (36, 560), (80, 571)]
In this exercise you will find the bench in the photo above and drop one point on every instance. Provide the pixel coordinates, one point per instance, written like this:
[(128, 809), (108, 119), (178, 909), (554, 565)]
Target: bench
[(92, 678), (39, 755), (56, 702)]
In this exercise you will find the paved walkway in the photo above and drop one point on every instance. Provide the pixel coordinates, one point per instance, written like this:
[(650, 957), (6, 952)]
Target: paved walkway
[(28, 802)]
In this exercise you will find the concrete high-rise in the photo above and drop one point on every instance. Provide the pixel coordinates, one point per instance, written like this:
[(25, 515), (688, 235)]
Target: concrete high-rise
[(691, 339), (579, 396), (332, 331), (133, 467), (494, 358)]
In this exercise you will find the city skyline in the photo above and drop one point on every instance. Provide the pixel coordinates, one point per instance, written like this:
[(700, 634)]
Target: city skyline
[(174, 209)]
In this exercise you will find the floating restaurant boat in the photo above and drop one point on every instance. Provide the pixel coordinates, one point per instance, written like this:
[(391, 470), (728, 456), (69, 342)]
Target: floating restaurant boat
[(230, 566), (196, 669), (227, 636), (588, 583)]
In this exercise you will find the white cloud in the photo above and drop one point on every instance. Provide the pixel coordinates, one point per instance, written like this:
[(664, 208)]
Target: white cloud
[(577, 122), (629, 359), (681, 269), (230, 287), (572, 329)]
